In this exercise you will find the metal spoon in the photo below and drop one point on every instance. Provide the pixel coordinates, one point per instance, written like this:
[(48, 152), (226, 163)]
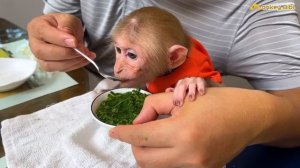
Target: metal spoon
[(96, 66)]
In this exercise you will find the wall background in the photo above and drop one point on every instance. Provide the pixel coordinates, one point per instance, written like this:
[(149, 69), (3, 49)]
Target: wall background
[(298, 7), (21, 12)]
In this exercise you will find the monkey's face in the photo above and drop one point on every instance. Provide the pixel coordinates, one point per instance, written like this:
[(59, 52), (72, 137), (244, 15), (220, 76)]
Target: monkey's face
[(131, 65)]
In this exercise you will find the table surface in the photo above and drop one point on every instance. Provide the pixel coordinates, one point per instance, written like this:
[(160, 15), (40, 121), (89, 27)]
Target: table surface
[(86, 82)]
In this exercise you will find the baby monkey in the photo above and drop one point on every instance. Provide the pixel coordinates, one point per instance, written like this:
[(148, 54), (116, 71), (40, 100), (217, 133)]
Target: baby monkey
[(153, 50)]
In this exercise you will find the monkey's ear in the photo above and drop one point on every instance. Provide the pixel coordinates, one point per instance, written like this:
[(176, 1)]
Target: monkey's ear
[(177, 55)]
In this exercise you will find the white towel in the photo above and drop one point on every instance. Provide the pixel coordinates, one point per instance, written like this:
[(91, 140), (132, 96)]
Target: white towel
[(63, 135)]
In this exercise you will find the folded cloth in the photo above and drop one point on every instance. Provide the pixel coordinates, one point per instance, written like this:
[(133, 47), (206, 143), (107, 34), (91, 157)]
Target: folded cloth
[(63, 135)]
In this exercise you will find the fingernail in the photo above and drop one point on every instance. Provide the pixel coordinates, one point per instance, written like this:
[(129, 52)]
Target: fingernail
[(191, 97), (70, 42), (177, 103)]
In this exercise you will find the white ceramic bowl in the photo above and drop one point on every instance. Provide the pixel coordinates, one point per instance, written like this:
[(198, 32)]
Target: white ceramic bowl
[(14, 72), (102, 97)]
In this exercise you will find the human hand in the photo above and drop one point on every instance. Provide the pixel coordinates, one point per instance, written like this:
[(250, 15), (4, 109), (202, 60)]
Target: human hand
[(207, 132), (51, 39), (189, 87)]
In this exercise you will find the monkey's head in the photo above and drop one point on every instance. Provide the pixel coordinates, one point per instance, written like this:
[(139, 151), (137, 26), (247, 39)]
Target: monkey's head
[(149, 42)]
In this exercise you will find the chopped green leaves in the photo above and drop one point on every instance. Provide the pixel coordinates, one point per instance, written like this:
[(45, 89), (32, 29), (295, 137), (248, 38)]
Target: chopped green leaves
[(121, 108)]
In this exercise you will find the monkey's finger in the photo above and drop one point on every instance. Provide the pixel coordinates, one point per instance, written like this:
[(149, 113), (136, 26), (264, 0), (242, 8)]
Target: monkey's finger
[(170, 89), (192, 91), (201, 86), (180, 93)]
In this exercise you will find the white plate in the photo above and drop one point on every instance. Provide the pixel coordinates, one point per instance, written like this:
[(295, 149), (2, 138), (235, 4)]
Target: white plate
[(14, 72)]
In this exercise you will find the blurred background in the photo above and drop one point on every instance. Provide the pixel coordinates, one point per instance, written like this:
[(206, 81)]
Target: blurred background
[(21, 12)]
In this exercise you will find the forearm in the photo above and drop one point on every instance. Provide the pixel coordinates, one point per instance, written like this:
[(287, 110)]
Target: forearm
[(287, 119), (265, 118)]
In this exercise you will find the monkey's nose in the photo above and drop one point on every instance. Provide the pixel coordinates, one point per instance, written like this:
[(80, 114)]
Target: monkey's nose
[(118, 70)]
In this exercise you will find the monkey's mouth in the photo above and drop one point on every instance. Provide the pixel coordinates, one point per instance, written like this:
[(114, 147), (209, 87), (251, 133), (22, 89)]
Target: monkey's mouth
[(124, 80), (128, 82)]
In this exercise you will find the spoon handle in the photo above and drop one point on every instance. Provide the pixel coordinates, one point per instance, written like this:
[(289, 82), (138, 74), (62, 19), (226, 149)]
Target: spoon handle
[(95, 65), (88, 58)]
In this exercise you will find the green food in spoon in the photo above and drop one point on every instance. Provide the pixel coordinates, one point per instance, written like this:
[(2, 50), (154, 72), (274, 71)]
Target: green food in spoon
[(121, 108)]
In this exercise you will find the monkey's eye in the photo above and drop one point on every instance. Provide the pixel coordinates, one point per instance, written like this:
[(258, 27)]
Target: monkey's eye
[(118, 50), (131, 55)]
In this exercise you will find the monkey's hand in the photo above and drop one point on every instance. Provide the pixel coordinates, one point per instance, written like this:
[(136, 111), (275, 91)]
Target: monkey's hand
[(189, 87)]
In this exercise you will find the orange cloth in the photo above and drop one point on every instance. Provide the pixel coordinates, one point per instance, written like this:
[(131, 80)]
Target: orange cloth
[(197, 64)]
